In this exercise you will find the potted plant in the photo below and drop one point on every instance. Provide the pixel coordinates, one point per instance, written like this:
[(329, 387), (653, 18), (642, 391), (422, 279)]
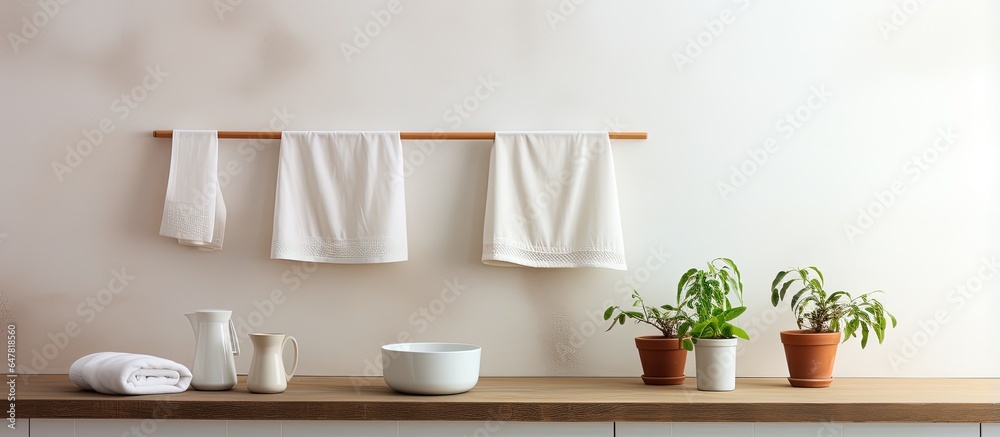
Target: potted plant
[(824, 321), (662, 356), (708, 294)]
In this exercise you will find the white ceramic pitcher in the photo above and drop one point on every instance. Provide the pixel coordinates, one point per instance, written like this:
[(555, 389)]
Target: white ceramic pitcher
[(215, 345), (267, 370)]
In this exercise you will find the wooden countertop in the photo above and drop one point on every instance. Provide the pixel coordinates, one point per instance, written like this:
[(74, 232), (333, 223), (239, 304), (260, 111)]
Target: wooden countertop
[(538, 400)]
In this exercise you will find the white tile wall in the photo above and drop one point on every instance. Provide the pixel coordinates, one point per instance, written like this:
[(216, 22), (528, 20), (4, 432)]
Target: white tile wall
[(150, 427), (504, 429), (20, 430), (648, 429), (254, 428), (53, 428), (911, 430), (316, 428), (182, 428), (643, 429), (991, 430), (713, 430), (103, 427), (824, 429)]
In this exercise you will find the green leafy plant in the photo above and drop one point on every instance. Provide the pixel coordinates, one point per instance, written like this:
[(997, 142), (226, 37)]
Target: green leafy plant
[(671, 321), (708, 294), (817, 311)]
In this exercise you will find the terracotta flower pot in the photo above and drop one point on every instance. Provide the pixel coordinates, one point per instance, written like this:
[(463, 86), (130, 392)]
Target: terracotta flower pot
[(810, 357), (662, 359)]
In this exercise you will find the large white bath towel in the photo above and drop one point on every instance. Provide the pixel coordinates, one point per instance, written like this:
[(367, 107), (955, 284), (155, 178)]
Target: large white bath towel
[(552, 201), (194, 212), (340, 198), (129, 374)]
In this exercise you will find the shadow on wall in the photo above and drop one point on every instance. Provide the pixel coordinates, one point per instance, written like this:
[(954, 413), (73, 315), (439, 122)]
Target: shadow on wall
[(8, 310), (280, 58), (142, 219)]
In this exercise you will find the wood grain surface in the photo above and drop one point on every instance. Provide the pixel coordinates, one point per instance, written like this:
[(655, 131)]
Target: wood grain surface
[(538, 400)]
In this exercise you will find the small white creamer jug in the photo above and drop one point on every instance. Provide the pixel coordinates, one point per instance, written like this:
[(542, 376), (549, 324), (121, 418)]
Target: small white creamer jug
[(267, 370), (215, 345)]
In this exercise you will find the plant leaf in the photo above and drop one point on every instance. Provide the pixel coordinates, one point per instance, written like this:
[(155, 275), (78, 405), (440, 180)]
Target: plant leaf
[(816, 284), (864, 335), (850, 328), (733, 313), (833, 298), (731, 265), (608, 312), (784, 288), (799, 294), (818, 273), (777, 280), (739, 332), (684, 279)]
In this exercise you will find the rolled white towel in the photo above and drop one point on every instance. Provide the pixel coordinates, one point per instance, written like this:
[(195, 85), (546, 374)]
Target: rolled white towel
[(129, 374)]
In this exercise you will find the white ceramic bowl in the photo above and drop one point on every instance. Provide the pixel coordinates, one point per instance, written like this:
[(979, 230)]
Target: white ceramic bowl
[(431, 368)]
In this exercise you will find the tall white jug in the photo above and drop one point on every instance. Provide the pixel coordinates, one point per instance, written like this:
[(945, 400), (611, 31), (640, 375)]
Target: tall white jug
[(215, 345)]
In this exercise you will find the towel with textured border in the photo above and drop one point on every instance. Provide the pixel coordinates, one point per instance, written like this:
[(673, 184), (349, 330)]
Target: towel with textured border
[(552, 201), (340, 198), (129, 374), (193, 211)]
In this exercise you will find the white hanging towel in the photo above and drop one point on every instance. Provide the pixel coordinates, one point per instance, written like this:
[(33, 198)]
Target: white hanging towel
[(340, 198), (129, 374), (194, 212), (552, 201)]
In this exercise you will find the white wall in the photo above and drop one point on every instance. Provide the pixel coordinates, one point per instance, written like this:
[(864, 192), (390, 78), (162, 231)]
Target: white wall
[(603, 64)]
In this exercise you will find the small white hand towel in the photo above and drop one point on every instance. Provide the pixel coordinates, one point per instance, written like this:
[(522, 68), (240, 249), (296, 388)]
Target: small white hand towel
[(194, 212), (129, 374), (340, 198), (552, 201)]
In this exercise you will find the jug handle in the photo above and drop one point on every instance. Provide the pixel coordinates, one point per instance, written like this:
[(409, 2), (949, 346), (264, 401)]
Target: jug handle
[(295, 356), (232, 335)]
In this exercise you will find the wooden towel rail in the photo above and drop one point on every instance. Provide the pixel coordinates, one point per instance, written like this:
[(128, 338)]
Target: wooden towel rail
[(271, 135)]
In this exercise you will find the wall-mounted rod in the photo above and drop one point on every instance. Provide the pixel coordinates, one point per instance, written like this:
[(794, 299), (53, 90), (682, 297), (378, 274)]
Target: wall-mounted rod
[(271, 135)]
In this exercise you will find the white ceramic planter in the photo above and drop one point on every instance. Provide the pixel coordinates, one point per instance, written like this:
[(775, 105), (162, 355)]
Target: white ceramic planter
[(715, 360)]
